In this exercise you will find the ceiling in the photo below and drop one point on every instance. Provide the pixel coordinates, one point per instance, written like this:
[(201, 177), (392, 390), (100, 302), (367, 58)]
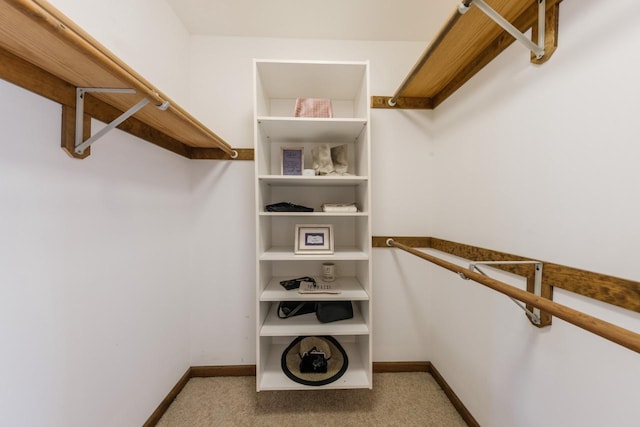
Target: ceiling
[(391, 20)]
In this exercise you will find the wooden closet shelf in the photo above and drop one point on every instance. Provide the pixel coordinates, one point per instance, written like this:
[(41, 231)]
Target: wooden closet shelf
[(58, 57), (465, 44)]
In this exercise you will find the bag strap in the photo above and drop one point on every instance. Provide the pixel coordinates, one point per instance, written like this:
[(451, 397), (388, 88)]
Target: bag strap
[(291, 313)]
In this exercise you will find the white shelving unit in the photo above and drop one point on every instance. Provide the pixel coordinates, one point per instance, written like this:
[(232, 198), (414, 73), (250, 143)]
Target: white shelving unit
[(277, 85)]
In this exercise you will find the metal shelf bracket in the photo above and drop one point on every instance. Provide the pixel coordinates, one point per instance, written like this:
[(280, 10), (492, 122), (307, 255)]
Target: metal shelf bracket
[(534, 315), (537, 49), (79, 145)]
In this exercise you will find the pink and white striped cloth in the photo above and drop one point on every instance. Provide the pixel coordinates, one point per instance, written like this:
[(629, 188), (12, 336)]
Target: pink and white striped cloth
[(313, 107)]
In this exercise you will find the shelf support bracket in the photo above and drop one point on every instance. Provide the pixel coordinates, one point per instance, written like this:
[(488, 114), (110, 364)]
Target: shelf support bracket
[(537, 49), (534, 314), (80, 145)]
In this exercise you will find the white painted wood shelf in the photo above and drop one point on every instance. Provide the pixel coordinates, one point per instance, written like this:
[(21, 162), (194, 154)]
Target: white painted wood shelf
[(313, 180), (283, 253), (350, 287), (311, 130), (277, 85), (308, 324), (357, 376), (314, 214)]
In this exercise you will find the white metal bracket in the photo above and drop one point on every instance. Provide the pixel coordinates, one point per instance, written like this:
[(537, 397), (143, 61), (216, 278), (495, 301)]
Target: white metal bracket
[(537, 49), (537, 288), (79, 145)]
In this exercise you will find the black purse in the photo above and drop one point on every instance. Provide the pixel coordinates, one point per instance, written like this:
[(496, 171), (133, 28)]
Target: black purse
[(288, 309), (313, 362), (332, 311), (326, 311), (286, 207)]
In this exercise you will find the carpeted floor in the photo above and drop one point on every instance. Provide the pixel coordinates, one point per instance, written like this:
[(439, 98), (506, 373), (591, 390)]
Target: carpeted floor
[(397, 399)]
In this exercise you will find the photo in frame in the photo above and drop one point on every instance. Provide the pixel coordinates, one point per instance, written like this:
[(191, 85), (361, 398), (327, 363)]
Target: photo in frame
[(314, 239), (291, 161)]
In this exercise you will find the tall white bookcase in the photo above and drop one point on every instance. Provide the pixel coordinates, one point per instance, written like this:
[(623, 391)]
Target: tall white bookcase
[(277, 85)]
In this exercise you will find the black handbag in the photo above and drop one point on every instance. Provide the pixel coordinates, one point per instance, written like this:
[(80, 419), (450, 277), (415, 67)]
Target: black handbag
[(326, 311), (332, 311), (313, 362), (295, 283), (295, 308), (287, 207)]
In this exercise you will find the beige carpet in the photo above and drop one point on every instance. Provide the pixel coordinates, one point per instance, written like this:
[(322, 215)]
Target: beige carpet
[(397, 399)]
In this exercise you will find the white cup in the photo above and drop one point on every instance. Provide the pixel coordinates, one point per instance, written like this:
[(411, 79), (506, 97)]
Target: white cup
[(328, 272)]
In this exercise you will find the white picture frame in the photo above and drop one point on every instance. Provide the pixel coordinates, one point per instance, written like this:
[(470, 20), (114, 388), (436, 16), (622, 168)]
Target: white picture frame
[(314, 239)]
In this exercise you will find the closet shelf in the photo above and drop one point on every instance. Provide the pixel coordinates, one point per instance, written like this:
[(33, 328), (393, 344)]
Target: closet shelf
[(299, 130), (284, 253), (316, 214), (351, 289), (357, 376), (465, 44), (45, 52), (308, 324), (313, 181), (277, 86)]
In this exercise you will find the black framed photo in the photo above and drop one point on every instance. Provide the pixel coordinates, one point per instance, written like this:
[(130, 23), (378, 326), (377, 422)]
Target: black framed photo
[(292, 161), (314, 239)]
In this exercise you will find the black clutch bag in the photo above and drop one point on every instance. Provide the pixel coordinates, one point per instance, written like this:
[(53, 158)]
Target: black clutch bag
[(295, 308), (332, 311), (326, 311), (313, 362), (287, 207), (295, 283)]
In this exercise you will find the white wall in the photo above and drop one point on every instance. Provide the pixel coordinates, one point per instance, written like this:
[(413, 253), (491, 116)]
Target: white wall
[(542, 161), (224, 291), (222, 266), (94, 265)]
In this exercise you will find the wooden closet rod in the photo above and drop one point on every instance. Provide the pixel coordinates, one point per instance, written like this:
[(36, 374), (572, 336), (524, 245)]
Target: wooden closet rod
[(606, 330), (66, 29), (453, 19)]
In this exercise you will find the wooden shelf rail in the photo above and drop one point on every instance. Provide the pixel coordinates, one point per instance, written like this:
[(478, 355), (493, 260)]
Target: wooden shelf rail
[(465, 44), (609, 331), (45, 52)]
